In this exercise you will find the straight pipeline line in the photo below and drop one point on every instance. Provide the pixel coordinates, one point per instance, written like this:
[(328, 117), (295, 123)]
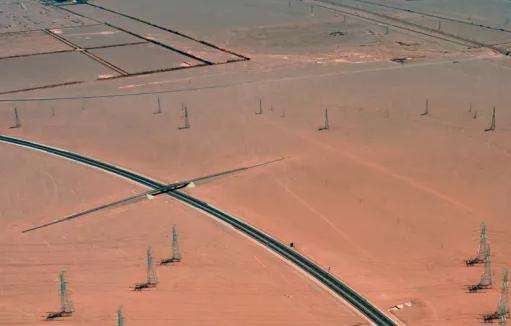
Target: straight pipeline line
[(141, 196), (41, 87), (114, 204), (334, 284)]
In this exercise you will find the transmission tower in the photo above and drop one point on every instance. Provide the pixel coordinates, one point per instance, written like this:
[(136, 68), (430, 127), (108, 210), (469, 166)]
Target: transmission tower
[(492, 122), (326, 124), (120, 317), (66, 305), (486, 278), (484, 248), (176, 253), (260, 107), (159, 111), (502, 313), (186, 118), (17, 122), (65, 302), (151, 273), (426, 109), (152, 279)]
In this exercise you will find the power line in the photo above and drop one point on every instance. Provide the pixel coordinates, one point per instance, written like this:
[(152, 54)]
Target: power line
[(68, 98), (191, 89)]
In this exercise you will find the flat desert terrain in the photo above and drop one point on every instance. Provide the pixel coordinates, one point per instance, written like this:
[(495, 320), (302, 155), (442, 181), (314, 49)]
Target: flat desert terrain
[(389, 198)]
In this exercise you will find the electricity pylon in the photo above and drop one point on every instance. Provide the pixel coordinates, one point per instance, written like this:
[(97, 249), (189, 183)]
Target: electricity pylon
[(17, 122), (426, 109), (260, 107), (176, 253), (120, 317), (186, 118), (151, 273), (502, 313), (492, 122), (159, 111), (486, 278), (326, 123), (66, 305), (484, 248), (152, 279)]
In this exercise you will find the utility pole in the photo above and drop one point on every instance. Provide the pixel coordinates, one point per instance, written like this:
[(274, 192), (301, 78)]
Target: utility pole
[(66, 305), (260, 107), (159, 107), (492, 122), (484, 248), (326, 124), (426, 111), (176, 252), (186, 118), (17, 122)]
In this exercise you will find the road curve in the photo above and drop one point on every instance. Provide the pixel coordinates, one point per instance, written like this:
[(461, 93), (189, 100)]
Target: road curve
[(331, 282)]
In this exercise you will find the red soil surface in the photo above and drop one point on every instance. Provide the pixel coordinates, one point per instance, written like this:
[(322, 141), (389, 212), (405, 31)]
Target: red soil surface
[(224, 278), (389, 200)]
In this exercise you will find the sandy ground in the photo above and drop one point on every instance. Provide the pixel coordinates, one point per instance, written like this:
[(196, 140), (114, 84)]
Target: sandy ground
[(223, 279), (390, 200)]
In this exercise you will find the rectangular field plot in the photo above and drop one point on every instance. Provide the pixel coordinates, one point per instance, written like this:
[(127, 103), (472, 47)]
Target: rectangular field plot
[(27, 43), (49, 69), (95, 36), (151, 32), (144, 57)]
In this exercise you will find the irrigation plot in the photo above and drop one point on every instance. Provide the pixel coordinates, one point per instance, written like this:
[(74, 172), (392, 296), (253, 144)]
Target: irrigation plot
[(117, 45)]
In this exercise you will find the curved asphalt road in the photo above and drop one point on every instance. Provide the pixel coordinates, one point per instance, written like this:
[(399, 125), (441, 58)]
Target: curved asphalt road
[(334, 284)]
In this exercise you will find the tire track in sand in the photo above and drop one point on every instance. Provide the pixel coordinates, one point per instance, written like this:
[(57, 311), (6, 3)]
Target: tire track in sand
[(380, 169)]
